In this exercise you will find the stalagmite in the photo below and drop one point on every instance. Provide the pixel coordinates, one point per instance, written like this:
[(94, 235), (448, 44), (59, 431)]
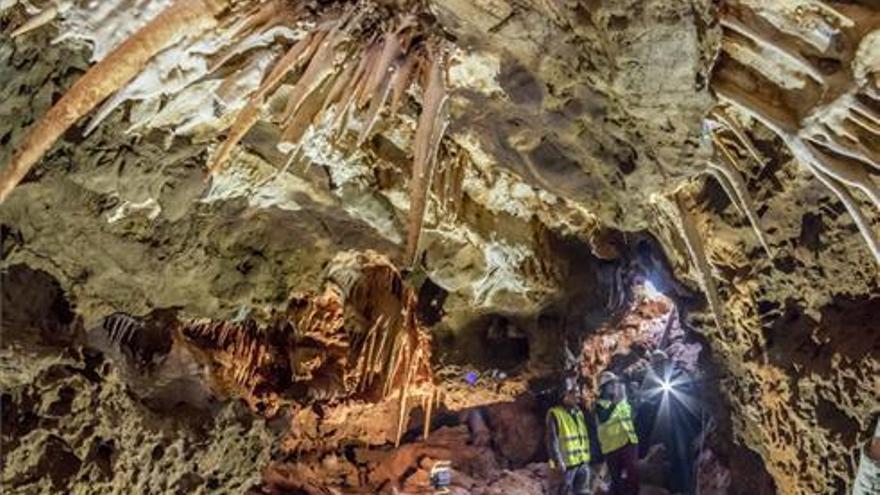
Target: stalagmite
[(404, 395)]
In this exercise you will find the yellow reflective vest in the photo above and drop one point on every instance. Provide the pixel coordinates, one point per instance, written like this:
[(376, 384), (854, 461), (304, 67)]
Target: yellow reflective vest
[(574, 441), (618, 430)]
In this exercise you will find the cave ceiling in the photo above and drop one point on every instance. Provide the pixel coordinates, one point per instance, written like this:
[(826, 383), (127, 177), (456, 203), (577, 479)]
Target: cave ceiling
[(214, 156)]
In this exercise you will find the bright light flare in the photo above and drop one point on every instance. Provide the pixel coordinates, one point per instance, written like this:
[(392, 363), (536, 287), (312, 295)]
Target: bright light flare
[(667, 385), (674, 395)]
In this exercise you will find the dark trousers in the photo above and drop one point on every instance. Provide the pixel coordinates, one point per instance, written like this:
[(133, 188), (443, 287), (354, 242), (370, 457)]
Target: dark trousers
[(622, 466), (677, 430), (576, 480)]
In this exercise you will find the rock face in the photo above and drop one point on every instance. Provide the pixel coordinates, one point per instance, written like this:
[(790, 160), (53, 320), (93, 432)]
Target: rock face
[(537, 159), (70, 423)]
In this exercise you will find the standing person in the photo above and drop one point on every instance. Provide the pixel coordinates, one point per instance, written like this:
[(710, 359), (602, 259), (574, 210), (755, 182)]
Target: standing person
[(648, 400), (568, 441), (673, 417), (617, 435), (867, 480)]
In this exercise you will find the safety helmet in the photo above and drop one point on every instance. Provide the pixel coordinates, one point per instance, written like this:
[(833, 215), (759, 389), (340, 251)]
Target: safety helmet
[(606, 377), (569, 384), (658, 355)]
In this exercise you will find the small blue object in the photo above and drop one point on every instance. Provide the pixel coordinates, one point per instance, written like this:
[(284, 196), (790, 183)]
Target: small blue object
[(471, 377), (441, 476), (441, 479)]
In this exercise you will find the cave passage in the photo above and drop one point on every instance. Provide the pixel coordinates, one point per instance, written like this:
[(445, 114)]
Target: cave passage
[(636, 332), (344, 416), (473, 247), (652, 367)]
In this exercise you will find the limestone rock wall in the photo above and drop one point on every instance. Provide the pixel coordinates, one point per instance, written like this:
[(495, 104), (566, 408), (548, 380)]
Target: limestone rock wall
[(70, 423), (729, 131)]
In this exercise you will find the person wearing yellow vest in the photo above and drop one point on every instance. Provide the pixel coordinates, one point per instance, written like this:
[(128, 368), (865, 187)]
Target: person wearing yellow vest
[(617, 435), (568, 442)]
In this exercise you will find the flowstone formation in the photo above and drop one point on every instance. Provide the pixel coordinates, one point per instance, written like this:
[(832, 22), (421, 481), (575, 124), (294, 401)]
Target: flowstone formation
[(355, 216)]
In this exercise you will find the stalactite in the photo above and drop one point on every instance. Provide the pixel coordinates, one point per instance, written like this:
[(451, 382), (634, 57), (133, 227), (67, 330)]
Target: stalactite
[(448, 187), (319, 69), (867, 113), (730, 123), (429, 131), (827, 138), (383, 73), (776, 46), (456, 192), (343, 80), (183, 18), (849, 173), (329, 77), (828, 173), (379, 70), (121, 328), (404, 395), (736, 184), (855, 212), (362, 341), (380, 365), (45, 16), (250, 114), (257, 21), (830, 137), (402, 82), (393, 359), (687, 230), (350, 93), (239, 349), (428, 408), (291, 142), (377, 103)]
